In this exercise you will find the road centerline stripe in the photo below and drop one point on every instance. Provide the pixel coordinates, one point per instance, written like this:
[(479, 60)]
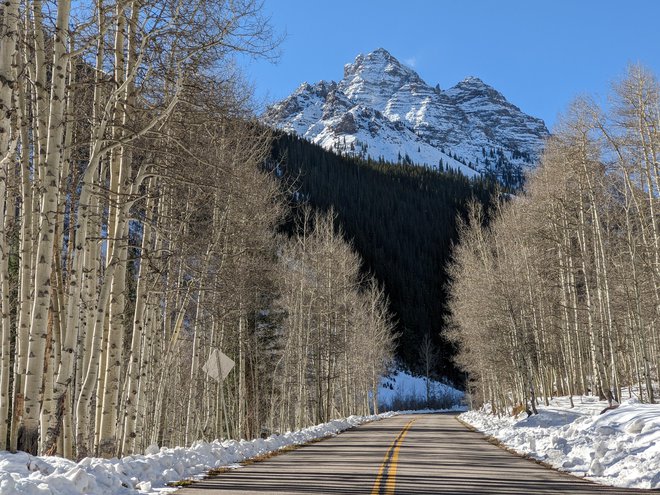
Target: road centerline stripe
[(386, 479)]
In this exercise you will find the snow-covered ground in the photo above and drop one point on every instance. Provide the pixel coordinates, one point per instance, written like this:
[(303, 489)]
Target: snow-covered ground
[(620, 447), (401, 390)]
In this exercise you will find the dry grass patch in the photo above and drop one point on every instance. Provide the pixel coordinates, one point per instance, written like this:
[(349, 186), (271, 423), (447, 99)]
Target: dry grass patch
[(217, 471), (180, 483)]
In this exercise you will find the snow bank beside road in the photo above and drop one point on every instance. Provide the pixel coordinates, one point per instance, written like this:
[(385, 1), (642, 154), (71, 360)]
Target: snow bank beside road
[(24, 474), (620, 447)]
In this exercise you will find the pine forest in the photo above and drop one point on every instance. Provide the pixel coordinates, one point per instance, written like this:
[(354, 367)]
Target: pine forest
[(402, 219)]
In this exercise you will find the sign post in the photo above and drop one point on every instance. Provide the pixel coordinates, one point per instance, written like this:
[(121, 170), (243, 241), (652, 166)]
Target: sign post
[(218, 365)]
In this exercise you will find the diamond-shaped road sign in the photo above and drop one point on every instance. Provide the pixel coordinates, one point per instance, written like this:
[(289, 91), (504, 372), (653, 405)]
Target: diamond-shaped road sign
[(218, 365)]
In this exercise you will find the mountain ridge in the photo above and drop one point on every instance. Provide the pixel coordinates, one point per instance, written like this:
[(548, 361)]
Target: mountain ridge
[(382, 109)]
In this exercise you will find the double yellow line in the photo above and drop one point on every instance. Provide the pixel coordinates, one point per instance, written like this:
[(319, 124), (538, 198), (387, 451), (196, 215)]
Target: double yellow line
[(386, 479)]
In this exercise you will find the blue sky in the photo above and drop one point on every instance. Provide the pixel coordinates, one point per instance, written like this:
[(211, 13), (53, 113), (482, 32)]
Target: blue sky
[(539, 53)]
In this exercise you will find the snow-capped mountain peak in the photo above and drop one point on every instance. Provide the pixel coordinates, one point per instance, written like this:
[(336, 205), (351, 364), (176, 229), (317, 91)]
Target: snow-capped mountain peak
[(375, 64), (472, 88), (372, 78), (472, 81), (384, 109)]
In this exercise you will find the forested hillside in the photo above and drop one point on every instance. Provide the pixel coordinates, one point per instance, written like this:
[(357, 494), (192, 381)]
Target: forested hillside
[(402, 220)]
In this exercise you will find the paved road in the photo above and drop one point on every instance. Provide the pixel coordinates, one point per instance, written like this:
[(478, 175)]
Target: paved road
[(423, 454)]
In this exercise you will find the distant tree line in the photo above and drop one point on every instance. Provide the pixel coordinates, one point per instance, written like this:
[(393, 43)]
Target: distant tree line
[(560, 293)]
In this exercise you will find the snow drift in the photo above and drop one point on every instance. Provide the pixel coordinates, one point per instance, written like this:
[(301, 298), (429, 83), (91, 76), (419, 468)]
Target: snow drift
[(620, 447)]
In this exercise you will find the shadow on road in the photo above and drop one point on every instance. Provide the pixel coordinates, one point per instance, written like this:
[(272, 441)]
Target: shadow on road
[(438, 456)]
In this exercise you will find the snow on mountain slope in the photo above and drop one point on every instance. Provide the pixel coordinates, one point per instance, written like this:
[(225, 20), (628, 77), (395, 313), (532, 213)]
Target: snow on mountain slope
[(400, 388), (383, 109)]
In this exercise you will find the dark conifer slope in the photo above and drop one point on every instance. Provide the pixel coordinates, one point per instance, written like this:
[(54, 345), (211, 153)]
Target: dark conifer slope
[(402, 220)]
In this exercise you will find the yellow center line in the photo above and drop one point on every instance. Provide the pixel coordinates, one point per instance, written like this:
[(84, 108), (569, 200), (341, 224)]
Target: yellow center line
[(387, 473)]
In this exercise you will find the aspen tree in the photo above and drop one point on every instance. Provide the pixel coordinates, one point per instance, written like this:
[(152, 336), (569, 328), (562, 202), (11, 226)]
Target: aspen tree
[(141, 191), (49, 162), (8, 146), (585, 249)]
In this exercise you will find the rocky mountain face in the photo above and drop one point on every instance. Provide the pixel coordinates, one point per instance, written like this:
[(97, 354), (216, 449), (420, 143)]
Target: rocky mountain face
[(383, 110)]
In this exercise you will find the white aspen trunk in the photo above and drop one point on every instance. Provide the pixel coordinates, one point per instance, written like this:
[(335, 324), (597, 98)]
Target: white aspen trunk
[(67, 324), (570, 367), (151, 359), (26, 276), (108, 441), (5, 360), (48, 379), (87, 259), (45, 247), (222, 409), (5, 321), (125, 168), (83, 276), (576, 320), (102, 364), (110, 363), (160, 366), (40, 103), (137, 339), (82, 406), (145, 379), (67, 429), (167, 361), (649, 171), (110, 392), (70, 331), (190, 413), (241, 375), (117, 241), (8, 49)]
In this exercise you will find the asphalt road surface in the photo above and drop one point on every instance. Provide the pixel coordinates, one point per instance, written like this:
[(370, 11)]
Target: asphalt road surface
[(421, 454)]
